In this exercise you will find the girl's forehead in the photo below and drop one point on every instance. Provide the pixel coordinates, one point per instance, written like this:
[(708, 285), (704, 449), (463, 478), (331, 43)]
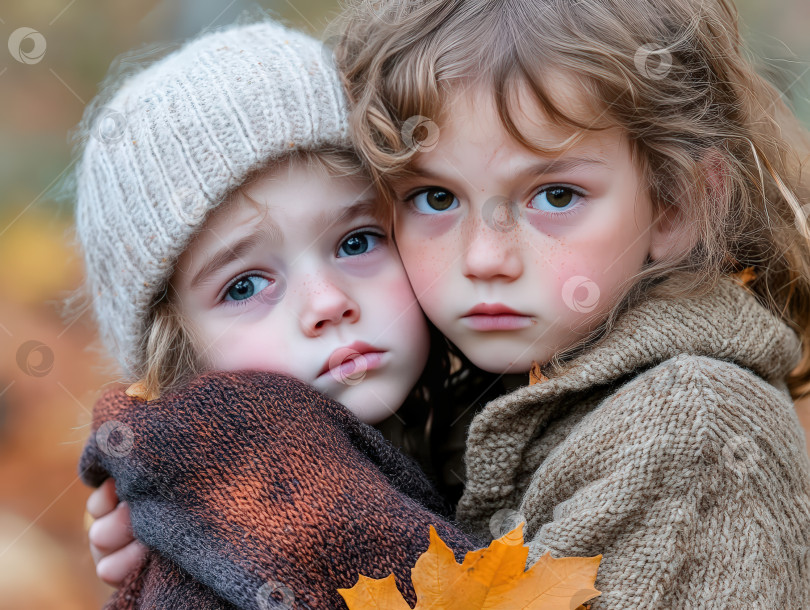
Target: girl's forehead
[(298, 195), (557, 103), (514, 135)]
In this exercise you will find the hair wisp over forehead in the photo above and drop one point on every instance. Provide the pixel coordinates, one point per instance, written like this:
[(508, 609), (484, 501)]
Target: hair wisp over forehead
[(714, 141), (406, 58)]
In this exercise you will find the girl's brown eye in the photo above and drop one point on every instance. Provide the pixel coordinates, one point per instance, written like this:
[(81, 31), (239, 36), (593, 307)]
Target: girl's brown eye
[(559, 197), (556, 199), (439, 200), (433, 201)]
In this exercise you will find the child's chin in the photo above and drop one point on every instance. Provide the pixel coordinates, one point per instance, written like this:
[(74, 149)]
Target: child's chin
[(504, 362), (373, 403)]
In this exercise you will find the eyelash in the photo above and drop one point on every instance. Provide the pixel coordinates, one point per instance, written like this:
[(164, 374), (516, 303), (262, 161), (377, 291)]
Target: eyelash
[(244, 302), (408, 199), (573, 210), (364, 231)]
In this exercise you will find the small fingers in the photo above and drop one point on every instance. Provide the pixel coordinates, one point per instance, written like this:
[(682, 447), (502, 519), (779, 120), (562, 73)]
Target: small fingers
[(112, 532), (103, 500), (115, 567)]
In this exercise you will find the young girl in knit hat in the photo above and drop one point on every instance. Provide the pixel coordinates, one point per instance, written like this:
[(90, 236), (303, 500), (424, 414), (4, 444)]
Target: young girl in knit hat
[(605, 199), (227, 225), (224, 192)]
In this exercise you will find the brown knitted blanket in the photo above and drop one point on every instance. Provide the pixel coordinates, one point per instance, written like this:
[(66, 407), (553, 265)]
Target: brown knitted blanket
[(255, 491)]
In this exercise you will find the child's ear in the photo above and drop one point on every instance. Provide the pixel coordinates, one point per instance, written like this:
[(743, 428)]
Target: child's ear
[(672, 233)]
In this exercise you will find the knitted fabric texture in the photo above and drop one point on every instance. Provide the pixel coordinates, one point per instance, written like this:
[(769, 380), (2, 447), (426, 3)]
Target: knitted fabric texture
[(173, 142), (254, 489), (672, 447)]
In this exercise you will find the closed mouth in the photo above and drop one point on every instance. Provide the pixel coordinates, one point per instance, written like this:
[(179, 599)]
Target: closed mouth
[(355, 354)]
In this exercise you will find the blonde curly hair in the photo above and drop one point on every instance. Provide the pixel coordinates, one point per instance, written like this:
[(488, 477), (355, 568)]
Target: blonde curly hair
[(712, 138)]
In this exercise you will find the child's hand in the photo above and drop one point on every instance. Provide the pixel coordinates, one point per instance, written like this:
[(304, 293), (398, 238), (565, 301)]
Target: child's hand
[(114, 549)]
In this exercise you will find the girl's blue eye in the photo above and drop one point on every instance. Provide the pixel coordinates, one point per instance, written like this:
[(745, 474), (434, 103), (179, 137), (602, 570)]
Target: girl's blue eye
[(246, 287), (435, 201), (555, 199), (359, 243)]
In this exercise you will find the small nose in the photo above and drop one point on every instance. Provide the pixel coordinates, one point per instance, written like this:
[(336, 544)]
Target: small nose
[(327, 305), (491, 253)]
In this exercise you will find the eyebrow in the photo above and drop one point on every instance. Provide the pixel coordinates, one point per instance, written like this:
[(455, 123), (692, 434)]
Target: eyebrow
[(561, 165), (272, 234), (362, 207), (542, 167), (231, 253)]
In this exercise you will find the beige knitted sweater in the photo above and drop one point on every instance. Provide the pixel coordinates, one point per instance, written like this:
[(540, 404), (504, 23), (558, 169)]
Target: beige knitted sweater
[(672, 448)]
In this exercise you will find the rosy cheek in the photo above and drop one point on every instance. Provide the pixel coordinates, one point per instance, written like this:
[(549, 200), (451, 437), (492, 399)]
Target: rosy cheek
[(422, 275), (397, 289), (427, 246), (424, 262), (243, 348), (579, 284), (589, 282)]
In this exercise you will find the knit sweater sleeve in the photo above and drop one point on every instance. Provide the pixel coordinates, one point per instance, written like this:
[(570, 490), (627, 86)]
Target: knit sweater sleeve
[(249, 486), (693, 482)]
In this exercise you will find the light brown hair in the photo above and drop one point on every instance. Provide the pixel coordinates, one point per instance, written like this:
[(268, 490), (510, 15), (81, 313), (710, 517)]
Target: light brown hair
[(713, 140)]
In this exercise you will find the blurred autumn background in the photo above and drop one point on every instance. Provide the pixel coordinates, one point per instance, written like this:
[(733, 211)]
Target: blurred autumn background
[(49, 377)]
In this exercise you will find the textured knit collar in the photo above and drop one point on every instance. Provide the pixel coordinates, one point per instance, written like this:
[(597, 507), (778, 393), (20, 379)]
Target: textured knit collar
[(727, 323)]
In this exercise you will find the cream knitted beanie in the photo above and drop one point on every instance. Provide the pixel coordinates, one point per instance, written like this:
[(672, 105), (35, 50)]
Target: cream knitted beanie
[(173, 141)]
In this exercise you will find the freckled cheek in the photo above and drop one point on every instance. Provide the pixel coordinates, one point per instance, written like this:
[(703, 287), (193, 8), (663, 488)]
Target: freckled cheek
[(389, 297), (589, 274), (573, 276), (428, 259)]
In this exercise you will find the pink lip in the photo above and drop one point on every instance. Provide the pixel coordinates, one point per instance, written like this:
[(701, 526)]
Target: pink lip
[(496, 316), (494, 309), (343, 358)]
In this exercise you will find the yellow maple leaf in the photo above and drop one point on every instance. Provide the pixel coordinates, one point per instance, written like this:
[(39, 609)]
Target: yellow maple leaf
[(492, 578)]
